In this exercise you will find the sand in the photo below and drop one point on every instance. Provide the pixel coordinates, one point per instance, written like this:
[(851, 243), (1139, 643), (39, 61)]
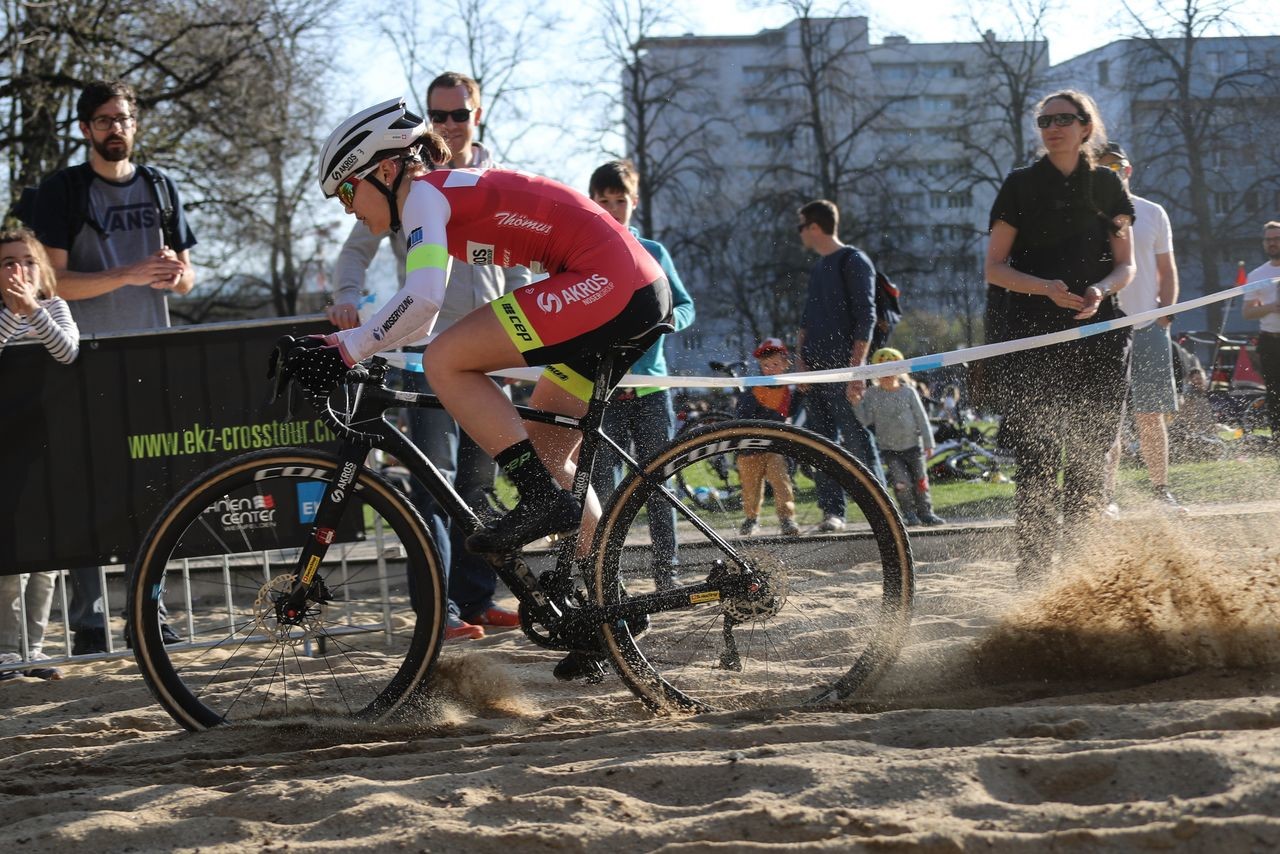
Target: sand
[(1132, 704)]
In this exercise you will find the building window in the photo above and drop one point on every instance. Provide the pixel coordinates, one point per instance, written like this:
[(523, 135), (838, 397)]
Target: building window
[(1104, 72), (1222, 203), (895, 71), (960, 200)]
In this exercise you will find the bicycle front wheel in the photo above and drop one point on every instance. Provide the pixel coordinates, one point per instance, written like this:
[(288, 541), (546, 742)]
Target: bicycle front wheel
[(222, 552), (838, 601)]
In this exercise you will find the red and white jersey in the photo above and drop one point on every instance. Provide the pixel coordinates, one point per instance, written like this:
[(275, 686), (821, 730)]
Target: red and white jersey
[(507, 218)]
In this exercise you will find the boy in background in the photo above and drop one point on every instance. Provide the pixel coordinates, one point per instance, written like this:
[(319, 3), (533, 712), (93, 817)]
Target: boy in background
[(642, 417), (771, 403), (905, 437)]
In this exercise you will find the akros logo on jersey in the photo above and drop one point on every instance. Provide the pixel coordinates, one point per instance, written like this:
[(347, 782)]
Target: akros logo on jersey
[(550, 303), (507, 219), (553, 304), (724, 447)]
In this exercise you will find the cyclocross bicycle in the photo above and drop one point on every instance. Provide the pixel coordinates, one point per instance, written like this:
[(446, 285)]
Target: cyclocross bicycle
[(304, 582)]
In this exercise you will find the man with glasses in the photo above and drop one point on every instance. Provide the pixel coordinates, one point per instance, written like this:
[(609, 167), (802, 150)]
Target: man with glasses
[(839, 316), (129, 251), (454, 111), (1264, 307), (1152, 392)]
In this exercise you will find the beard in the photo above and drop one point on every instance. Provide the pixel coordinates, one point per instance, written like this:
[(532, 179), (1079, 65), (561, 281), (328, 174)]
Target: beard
[(113, 153)]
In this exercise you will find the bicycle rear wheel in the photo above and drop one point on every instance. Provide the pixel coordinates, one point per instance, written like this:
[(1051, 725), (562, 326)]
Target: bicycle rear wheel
[(225, 547), (839, 603), (713, 483)]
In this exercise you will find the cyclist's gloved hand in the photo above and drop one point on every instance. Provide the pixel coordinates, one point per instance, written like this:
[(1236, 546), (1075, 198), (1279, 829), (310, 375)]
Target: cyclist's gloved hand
[(317, 365)]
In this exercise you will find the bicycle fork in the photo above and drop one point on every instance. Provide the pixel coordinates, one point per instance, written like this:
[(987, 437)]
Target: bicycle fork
[(307, 584)]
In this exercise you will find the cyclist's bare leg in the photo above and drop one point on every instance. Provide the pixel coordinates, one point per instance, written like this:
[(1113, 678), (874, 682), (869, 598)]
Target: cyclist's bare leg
[(456, 364), (558, 448)]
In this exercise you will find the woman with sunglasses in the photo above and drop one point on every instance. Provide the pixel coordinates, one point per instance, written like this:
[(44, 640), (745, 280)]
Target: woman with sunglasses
[(1059, 251), (603, 288)]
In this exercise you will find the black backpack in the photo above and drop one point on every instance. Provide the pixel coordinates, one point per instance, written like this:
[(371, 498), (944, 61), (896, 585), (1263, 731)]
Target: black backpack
[(78, 179), (888, 310)]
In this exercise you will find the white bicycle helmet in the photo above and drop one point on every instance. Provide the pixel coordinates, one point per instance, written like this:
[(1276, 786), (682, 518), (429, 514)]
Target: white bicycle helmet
[(364, 139)]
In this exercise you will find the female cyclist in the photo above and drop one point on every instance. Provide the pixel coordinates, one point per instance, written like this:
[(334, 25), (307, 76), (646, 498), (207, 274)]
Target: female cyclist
[(603, 288)]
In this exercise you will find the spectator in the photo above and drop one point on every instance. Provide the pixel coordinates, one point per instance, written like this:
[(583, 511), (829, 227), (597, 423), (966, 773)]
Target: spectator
[(839, 314), (115, 271), (1153, 394), (1264, 307), (905, 437), (770, 403), (454, 111), (31, 308), (643, 417), (1060, 249)]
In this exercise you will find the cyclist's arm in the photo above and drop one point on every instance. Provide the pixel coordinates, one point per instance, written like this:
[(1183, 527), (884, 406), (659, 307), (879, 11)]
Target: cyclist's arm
[(410, 314)]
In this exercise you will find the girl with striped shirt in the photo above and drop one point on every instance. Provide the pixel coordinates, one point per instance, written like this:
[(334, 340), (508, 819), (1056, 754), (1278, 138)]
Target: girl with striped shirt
[(31, 305)]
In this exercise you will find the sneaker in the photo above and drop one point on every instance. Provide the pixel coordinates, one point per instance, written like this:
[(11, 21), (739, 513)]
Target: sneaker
[(831, 524), (89, 642), (456, 629), (526, 522), (931, 518), (789, 528), (1111, 512), (748, 527), (580, 665), (910, 520), (497, 617), (1165, 500)]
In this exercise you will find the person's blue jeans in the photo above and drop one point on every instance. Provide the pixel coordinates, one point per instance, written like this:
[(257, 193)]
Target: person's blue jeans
[(644, 425), (471, 579), (830, 414)]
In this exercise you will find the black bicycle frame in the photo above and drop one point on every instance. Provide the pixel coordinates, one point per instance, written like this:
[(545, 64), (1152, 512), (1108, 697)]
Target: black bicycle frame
[(366, 415)]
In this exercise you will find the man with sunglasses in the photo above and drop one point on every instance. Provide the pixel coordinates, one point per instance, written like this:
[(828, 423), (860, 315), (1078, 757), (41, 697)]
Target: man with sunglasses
[(118, 267), (1152, 392), (453, 111), (839, 318)]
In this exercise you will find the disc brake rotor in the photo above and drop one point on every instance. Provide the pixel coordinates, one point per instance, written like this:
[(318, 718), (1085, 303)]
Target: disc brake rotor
[(772, 571)]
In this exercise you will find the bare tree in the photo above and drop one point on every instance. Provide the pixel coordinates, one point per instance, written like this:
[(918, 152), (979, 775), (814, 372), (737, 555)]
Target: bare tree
[(1015, 64), (232, 85), (661, 106), (1192, 100), (490, 41)]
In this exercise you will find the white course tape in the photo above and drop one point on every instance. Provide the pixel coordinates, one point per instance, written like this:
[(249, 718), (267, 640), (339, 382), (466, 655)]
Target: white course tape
[(413, 361)]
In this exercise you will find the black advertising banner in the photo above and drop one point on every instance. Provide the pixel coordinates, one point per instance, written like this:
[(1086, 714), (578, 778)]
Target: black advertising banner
[(90, 452)]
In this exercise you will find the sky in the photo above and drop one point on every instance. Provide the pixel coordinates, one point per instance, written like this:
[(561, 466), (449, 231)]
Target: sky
[(1077, 27)]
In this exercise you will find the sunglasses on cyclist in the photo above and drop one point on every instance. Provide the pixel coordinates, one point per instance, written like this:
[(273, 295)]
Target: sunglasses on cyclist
[(1060, 120), (439, 117), (346, 191)]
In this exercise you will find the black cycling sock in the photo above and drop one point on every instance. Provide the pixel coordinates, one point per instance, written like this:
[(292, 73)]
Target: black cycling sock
[(520, 463)]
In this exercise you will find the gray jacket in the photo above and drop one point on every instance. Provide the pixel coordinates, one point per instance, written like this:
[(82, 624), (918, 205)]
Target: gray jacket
[(469, 286)]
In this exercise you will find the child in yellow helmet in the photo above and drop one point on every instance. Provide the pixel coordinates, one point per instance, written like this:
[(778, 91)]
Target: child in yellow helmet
[(894, 410)]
